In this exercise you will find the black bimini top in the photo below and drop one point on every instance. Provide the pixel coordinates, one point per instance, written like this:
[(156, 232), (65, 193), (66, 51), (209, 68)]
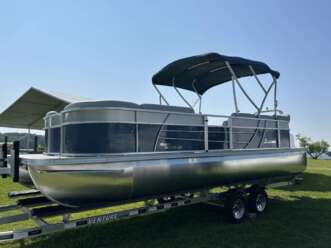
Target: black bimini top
[(200, 73)]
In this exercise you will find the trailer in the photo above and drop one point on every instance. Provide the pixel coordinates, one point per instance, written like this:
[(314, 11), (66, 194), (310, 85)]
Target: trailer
[(239, 201)]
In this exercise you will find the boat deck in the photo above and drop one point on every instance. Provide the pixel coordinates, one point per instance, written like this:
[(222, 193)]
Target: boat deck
[(39, 159)]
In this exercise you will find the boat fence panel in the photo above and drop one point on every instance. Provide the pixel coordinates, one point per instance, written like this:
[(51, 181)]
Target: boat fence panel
[(244, 131), (218, 132), (114, 130)]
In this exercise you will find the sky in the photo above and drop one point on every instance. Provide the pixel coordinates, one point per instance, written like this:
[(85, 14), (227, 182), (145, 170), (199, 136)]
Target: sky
[(111, 49)]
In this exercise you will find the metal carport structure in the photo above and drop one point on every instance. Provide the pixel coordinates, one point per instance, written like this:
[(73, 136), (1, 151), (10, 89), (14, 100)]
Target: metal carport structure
[(29, 109)]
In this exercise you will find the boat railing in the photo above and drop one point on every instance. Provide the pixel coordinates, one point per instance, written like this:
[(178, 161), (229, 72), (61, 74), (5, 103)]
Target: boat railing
[(254, 125), (206, 131)]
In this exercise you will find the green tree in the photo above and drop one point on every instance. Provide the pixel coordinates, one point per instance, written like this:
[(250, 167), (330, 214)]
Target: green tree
[(314, 149)]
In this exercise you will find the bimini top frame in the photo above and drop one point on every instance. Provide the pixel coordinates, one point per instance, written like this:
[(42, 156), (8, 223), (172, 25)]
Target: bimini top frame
[(200, 73)]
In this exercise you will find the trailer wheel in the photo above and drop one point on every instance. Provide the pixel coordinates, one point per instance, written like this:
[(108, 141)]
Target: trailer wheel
[(257, 200), (235, 207)]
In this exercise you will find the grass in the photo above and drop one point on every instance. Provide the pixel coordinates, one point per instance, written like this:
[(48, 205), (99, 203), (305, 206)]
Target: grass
[(298, 216)]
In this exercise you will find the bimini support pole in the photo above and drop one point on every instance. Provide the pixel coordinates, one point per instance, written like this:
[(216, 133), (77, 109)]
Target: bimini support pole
[(199, 96), (266, 91), (275, 95), (276, 109), (265, 97), (235, 95), (257, 79), (240, 86), (195, 102), (160, 95), (180, 94)]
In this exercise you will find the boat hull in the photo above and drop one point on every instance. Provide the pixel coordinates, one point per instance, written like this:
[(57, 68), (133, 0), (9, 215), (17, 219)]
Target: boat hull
[(24, 177), (82, 182)]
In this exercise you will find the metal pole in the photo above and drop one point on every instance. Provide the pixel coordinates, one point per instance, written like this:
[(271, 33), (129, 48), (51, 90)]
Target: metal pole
[(199, 96), (278, 134), (230, 133), (137, 134), (160, 94), (257, 79), (61, 135), (195, 102), (235, 95), (205, 122), (275, 96), (49, 135), (264, 98), (240, 86), (180, 94)]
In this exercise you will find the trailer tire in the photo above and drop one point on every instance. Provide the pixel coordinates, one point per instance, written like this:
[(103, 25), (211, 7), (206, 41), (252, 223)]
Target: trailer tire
[(235, 207), (257, 200)]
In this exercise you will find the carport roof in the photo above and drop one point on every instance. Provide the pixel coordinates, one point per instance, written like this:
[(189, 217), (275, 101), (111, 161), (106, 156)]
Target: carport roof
[(29, 109)]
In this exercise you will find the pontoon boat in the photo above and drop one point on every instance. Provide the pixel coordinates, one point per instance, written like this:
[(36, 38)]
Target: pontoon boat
[(106, 152)]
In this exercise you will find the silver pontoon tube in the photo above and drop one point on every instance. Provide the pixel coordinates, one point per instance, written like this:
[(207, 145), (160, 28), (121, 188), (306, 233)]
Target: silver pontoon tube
[(79, 182)]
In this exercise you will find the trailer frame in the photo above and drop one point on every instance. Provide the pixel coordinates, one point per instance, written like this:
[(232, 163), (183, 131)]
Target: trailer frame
[(39, 207)]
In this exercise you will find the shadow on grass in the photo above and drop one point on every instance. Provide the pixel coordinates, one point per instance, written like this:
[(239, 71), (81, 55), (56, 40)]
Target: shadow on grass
[(312, 182), (304, 221)]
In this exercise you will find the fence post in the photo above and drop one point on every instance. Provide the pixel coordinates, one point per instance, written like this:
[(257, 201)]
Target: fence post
[(5, 155), (15, 161)]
